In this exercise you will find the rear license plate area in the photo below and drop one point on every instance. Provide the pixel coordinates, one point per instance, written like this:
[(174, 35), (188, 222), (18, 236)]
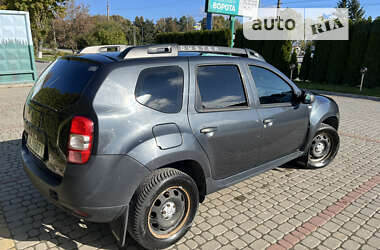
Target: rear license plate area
[(36, 147)]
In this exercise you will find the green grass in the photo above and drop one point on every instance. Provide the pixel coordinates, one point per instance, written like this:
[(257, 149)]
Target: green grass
[(49, 55), (340, 88)]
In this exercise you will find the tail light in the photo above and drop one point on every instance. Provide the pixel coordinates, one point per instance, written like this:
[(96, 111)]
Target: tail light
[(80, 140)]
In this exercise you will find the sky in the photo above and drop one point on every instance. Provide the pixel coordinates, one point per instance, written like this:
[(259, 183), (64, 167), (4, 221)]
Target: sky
[(155, 9)]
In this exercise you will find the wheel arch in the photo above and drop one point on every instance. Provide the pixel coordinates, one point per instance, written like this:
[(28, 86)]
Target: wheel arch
[(332, 121), (194, 170)]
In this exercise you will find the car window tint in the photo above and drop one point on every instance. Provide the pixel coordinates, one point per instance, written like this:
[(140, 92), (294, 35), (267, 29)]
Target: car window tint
[(220, 86), (161, 88), (270, 87), (64, 80)]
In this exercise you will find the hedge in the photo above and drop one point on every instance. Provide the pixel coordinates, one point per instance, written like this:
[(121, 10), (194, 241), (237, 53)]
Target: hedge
[(339, 62), (372, 59)]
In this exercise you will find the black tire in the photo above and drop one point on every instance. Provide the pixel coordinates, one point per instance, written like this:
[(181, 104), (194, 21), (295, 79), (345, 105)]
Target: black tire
[(163, 208), (324, 147)]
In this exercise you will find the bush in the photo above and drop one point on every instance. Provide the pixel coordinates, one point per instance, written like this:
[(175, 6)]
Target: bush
[(306, 64)]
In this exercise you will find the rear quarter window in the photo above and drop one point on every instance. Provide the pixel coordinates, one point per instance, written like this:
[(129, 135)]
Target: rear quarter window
[(161, 88)]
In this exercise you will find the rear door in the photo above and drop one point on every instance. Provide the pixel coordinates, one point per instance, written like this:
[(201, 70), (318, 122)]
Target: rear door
[(285, 121), (48, 109), (221, 115)]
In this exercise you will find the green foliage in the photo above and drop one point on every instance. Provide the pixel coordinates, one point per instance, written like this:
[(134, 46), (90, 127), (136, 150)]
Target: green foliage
[(343, 4), (357, 50), (320, 61), (104, 33), (281, 57), (337, 62), (41, 14), (306, 65), (109, 33), (372, 59), (355, 11)]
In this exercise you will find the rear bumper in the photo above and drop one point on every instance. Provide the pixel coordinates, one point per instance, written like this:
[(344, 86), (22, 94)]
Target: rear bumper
[(97, 191)]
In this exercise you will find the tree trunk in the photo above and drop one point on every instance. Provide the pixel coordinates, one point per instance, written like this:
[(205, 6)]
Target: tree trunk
[(39, 52), (55, 38)]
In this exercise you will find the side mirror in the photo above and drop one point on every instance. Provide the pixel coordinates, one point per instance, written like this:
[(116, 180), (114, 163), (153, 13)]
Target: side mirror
[(308, 97)]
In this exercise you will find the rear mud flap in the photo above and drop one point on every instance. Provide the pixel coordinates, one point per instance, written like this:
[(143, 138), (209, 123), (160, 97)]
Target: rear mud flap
[(119, 228)]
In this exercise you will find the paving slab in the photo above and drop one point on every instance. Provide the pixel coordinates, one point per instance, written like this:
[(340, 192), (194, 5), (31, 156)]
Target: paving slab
[(288, 207)]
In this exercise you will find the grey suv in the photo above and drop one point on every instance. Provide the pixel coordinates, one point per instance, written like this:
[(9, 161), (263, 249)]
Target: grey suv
[(138, 138)]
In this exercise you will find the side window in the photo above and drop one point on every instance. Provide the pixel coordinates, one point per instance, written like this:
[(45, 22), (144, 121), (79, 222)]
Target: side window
[(161, 88), (220, 86), (270, 87)]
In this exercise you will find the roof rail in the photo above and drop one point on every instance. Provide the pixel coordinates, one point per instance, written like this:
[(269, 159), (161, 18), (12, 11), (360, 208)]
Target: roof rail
[(104, 48), (161, 50)]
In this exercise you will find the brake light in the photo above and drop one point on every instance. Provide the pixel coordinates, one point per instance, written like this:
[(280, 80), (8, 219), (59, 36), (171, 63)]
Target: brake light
[(80, 140)]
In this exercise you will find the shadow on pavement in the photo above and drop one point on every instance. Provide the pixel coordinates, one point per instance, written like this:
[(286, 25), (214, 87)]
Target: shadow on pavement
[(32, 220)]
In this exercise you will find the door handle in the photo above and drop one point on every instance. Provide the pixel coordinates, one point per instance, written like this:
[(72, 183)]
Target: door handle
[(208, 130), (268, 123)]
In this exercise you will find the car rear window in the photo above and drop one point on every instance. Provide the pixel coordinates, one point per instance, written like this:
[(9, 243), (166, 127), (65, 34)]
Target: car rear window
[(62, 82)]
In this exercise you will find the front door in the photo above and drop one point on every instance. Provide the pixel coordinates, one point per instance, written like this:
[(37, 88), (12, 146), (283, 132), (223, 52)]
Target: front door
[(285, 121), (222, 119)]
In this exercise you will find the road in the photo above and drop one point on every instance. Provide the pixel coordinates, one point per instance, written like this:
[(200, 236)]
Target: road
[(288, 207)]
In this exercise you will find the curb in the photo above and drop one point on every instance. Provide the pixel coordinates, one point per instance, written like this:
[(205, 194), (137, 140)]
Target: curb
[(16, 85), (40, 61), (323, 92)]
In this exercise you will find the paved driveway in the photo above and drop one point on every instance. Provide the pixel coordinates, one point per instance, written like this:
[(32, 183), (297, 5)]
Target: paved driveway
[(41, 66), (335, 207)]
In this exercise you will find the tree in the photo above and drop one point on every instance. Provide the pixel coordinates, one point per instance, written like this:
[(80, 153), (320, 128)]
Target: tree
[(306, 64), (320, 61), (149, 32), (126, 25), (41, 13), (355, 11), (337, 62), (281, 54), (2, 5), (372, 59), (109, 33), (343, 4), (219, 23), (73, 25), (294, 61), (186, 23), (358, 47)]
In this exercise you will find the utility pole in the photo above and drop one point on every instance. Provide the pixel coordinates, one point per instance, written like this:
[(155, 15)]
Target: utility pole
[(134, 35), (232, 27), (108, 10), (278, 8), (187, 23)]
